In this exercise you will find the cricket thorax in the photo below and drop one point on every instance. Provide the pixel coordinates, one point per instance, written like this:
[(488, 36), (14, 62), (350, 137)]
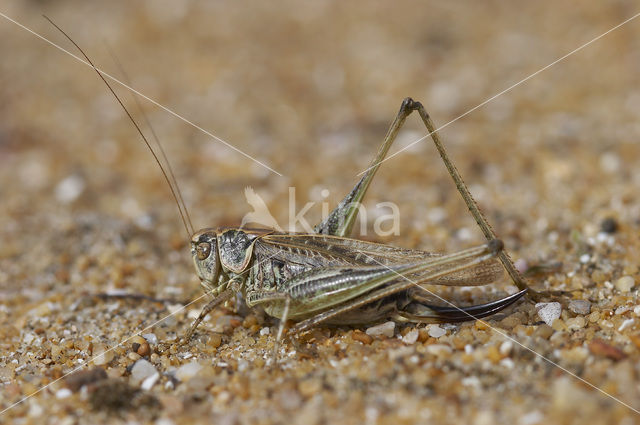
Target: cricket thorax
[(235, 247)]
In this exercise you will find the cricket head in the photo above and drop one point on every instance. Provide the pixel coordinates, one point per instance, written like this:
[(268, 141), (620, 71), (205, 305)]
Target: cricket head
[(204, 251)]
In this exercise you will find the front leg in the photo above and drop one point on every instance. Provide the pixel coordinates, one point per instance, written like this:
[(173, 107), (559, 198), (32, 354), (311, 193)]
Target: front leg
[(341, 220), (221, 298), (232, 286)]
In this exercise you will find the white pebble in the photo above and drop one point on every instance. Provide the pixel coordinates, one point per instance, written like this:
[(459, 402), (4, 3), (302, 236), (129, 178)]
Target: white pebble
[(505, 348), (625, 283), (507, 363), (622, 309), (521, 265), (69, 188), (150, 381), (28, 338), (438, 349), (265, 331), (549, 312), (627, 323), (141, 370), (436, 331), (387, 329), (151, 338), (63, 393), (584, 258), (411, 337), (188, 371), (580, 306), (636, 310), (531, 418)]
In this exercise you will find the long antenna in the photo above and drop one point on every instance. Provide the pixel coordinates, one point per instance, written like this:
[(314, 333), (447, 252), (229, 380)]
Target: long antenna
[(136, 99), (164, 173)]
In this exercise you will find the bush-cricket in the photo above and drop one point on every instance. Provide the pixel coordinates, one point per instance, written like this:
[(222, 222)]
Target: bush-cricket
[(326, 277)]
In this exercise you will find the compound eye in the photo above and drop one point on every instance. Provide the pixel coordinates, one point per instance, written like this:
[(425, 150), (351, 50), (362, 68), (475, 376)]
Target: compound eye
[(203, 250)]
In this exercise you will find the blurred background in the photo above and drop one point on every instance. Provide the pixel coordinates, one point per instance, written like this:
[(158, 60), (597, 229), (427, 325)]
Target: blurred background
[(309, 90)]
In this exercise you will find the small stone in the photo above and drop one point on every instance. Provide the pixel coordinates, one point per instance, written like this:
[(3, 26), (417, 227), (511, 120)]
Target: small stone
[(310, 387), (150, 381), (506, 347), (481, 325), (575, 354), (134, 356), (559, 325), (63, 393), (436, 331), (580, 306), (188, 371), (144, 349), (493, 354), (625, 283), (609, 225), (411, 337), (439, 350), (141, 370), (358, 335), (249, 321), (215, 340), (136, 340), (68, 189), (576, 323), (56, 351), (622, 310), (635, 339), (151, 338), (265, 331), (626, 324), (387, 329), (601, 348), (521, 265), (549, 312), (102, 355), (28, 338)]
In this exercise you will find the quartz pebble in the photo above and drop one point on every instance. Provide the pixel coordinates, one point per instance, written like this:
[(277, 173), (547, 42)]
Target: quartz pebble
[(63, 393), (151, 338), (580, 306), (387, 329), (436, 331), (549, 312), (576, 323), (150, 381), (625, 283), (626, 324), (141, 370), (102, 355), (188, 371), (439, 350), (411, 337)]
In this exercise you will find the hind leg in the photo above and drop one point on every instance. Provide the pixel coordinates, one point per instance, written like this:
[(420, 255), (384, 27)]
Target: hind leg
[(341, 220)]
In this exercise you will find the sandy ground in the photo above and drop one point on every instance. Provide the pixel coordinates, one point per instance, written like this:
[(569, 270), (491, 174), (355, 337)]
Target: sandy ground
[(309, 91)]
